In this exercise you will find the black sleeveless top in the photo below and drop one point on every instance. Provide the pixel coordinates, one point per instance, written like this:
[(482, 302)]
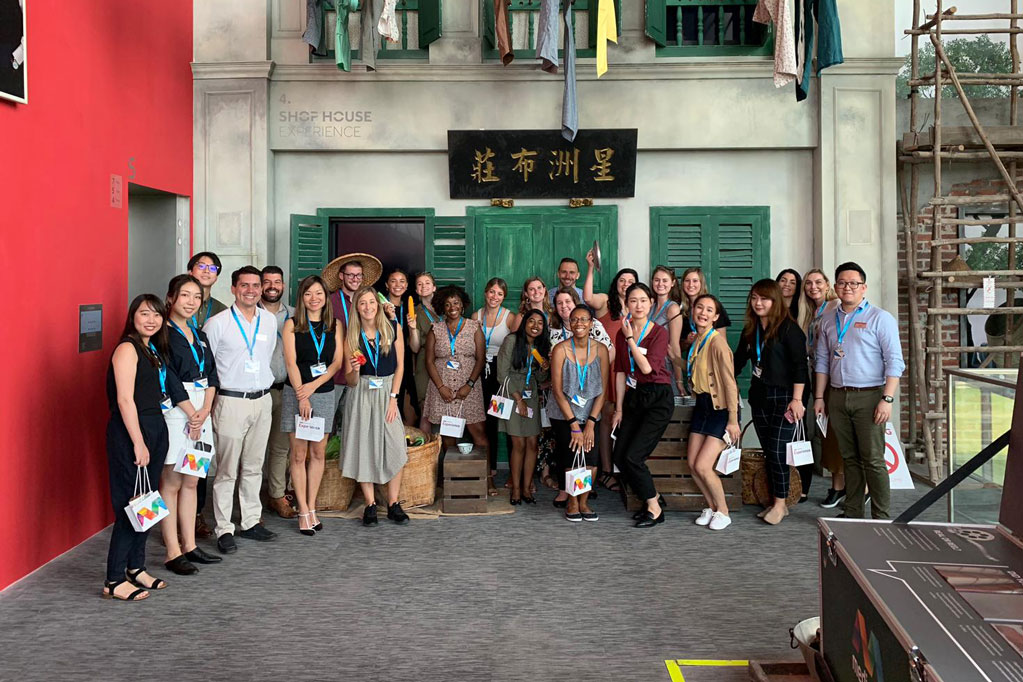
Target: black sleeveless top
[(305, 354), (147, 392), (388, 363)]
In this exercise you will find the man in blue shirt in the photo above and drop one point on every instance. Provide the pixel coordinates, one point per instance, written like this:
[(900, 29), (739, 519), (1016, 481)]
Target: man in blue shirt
[(859, 354)]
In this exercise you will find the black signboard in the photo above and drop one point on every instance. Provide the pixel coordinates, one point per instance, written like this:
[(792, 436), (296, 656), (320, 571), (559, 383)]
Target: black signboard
[(541, 164)]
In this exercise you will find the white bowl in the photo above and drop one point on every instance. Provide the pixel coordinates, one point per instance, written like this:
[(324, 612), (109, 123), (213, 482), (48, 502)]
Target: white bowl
[(465, 448)]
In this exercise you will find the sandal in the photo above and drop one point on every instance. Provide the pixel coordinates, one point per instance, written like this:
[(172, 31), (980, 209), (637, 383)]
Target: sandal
[(133, 576), (613, 487), (109, 587), (549, 481), (491, 487)]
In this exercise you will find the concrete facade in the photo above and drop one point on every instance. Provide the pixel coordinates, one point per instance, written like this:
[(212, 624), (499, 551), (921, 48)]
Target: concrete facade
[(712, 131)]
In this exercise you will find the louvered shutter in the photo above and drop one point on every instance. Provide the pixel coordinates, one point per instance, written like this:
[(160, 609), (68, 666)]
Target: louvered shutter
[(429, 22), (657, 21), (308, 248), (450, 249)]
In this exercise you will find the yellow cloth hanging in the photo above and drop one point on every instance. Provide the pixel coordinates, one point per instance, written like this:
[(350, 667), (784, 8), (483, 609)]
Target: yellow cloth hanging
[(607, 29)]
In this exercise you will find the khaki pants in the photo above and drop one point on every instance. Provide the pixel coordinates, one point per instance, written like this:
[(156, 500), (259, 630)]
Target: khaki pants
[(278, 448), (241, 428), (861, 441)]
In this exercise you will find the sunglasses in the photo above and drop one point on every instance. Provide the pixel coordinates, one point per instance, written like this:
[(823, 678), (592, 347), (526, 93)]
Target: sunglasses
[(208, 267)]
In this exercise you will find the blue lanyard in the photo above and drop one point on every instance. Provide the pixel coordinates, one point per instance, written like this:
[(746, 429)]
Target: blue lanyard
[(454, 337), (401, 312), (483, 316), (632, 360), (344, 304), (758, 343), (319, 343), (209, 307), (583, 371), (245, 337), (373, 357), (163, 369), (201, 362), (666, 304), (529, 365), (694, 351), (431, 318), (842, 330)]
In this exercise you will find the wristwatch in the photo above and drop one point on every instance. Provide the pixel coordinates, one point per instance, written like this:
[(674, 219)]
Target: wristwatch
[(394, 395), (888, 399), (470, 383)]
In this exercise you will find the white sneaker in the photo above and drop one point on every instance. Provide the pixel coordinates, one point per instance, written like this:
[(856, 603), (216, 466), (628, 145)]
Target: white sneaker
[(719, 521), (705, 517)]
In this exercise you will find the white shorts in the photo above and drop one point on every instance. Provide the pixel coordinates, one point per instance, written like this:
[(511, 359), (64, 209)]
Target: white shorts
[(177, 420)]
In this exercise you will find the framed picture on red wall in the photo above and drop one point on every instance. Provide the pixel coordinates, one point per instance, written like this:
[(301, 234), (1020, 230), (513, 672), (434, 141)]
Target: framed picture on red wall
[(13, 72)]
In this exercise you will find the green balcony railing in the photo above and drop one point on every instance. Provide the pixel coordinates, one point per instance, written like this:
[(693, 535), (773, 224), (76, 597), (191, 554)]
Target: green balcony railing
[(408, 17), (523, 19), (709, 28)]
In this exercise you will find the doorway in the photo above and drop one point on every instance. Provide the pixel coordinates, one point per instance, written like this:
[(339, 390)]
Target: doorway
[(398, 243), (158, 231)]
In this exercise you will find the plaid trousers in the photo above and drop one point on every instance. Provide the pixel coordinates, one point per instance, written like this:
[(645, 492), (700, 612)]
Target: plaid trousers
[(768, 405)]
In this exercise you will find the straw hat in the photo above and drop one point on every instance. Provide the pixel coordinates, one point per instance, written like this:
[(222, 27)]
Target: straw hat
[(371, 270)]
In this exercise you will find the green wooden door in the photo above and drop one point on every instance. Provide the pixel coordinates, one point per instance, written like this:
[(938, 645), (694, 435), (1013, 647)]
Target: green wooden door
[(731, 244), (509, 243), (309, 248)]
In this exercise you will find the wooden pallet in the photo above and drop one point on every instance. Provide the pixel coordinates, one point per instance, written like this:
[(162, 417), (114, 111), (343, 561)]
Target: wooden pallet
[(760, 671), (465, 482), (672, 476)]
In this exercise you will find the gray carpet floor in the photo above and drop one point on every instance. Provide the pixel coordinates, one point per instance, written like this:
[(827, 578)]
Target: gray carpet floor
[(520, 597)]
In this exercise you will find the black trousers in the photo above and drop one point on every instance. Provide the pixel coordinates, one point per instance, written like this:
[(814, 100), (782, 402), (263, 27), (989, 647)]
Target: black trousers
[(408, 387), (769, 404), (490, 387), (128, 547), (646, 411), (563, 451)]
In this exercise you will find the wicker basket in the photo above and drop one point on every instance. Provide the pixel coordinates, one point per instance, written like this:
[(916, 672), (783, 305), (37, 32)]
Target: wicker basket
[(335, 490), (753, 468), (419, 476)]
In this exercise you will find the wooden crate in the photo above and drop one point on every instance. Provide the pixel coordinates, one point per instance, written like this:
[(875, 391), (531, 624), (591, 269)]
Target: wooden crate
[(465, 482), (671, 473), (760, 671)]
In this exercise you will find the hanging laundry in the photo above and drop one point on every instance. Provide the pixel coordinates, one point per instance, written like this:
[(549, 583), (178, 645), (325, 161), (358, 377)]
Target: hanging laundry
[(829, 40), (370, 43), (607, 29), (504, 43), (388, 24), (342, 44), (313, 24), (569, 112), (779, 12), (547, 36)]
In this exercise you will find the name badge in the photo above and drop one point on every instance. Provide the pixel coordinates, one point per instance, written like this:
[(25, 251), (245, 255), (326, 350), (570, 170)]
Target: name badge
[(630, 381), (166, 404), (527, 394), (251, 366), (860, 325), (452, 364), (376, 383), (202, 383), (642, 350), (318, 369), (839, 353), (757, 371), (490, 358), (579, 400), (260, 337)]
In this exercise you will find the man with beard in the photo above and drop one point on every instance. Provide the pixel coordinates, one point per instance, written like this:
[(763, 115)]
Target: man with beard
[(278, 446)]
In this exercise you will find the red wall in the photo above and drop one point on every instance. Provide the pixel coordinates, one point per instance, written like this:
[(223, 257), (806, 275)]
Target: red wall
[(108, 80)]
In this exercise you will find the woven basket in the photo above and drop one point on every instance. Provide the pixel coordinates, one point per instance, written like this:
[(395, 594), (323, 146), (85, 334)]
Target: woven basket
[(335, 490), (753, 468), (419, 476)]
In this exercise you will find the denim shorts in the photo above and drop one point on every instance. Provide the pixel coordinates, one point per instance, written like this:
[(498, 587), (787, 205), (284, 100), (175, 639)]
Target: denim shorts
[(706, 419)]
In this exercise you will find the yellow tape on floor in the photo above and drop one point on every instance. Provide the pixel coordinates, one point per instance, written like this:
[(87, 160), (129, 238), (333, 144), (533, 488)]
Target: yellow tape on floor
[(674, 667)]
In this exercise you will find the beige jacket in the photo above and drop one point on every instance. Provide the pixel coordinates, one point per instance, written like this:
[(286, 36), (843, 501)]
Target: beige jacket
[(718, 375)]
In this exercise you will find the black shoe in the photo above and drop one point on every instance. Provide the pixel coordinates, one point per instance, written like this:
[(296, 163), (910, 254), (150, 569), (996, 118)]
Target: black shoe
[(181, 566), (369, 516), (574, 518), (397, 514), (531, 500), (803, 498), (642, 512), (198, 556), (560, 504), (226, 544), (258, 533), (648, 520), (833, 498), (515, 501), (590, 516)]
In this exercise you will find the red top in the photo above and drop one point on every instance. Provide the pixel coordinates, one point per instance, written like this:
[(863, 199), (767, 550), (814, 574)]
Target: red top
[(656, 344)]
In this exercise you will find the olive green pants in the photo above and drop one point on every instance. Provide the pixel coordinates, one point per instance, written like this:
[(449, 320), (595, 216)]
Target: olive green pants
[(861, 442)]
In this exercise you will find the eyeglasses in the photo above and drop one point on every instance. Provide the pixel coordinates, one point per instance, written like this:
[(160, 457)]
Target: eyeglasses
[(210, 267), (848, 285), (352, 275)]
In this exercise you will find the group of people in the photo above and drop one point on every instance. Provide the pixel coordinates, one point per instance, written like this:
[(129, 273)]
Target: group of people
[(592, 379)]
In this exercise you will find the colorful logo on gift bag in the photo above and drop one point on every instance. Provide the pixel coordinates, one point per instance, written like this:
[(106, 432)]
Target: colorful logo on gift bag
[(150, 513), (190, 461), (866, 646), (583, 482), (495, 405)]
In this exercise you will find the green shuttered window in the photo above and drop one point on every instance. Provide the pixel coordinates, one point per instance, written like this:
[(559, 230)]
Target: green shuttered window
[(309, 248), (706, 28), (450, 249)]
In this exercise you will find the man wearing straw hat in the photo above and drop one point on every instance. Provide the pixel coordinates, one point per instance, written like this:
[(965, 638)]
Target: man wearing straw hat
[(344, 276)]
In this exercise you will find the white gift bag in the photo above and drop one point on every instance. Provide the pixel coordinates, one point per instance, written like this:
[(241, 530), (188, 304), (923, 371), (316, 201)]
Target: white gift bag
[(146, 508), (545, 421), (899, 477), (453, 427), (195, 459), (728, 460), (501, 406), (799, 451), (311, 429), (578, 479)]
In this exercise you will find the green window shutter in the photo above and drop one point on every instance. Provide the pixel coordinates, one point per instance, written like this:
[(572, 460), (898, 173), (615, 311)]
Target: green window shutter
[(657, 21), (308, 248), (429, 22), (489, 25), (450, 250)]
